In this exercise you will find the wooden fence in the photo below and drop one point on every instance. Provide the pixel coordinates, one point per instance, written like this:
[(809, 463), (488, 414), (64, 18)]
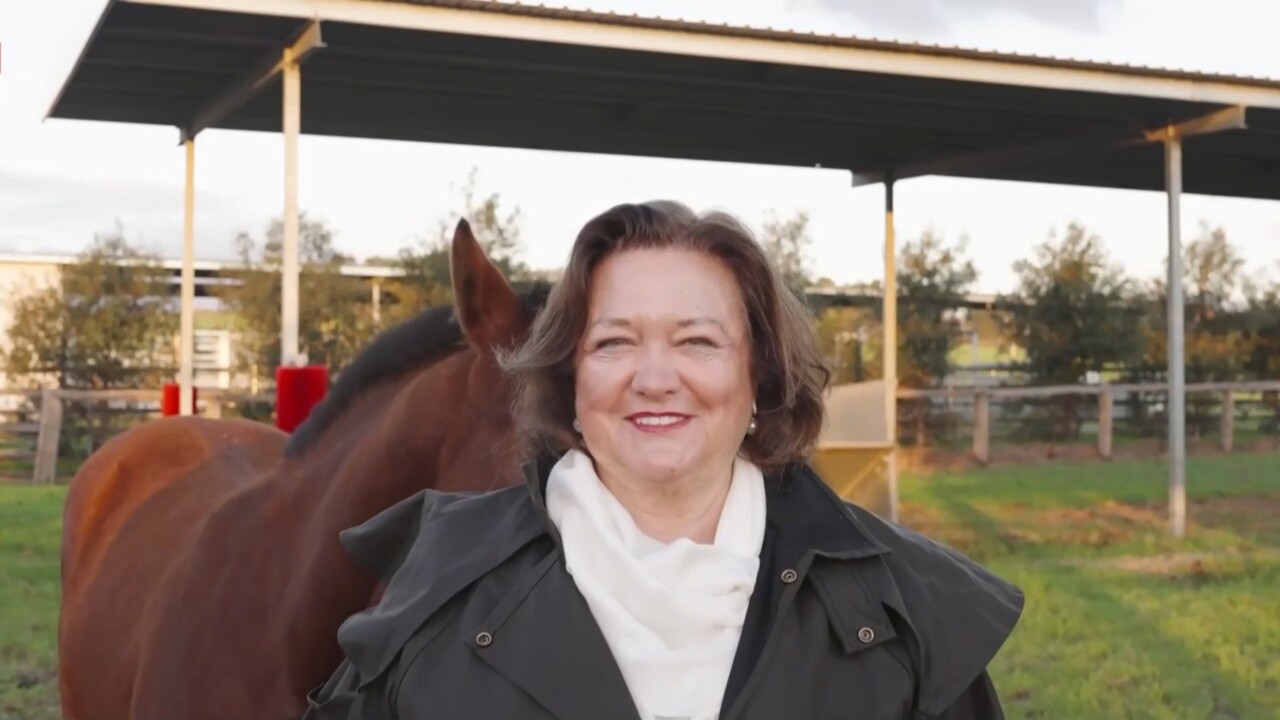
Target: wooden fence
[(33, 427), (1103, 396), (44, 437)]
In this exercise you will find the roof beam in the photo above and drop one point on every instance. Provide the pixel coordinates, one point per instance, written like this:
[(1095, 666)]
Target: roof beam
[(1230, 118), (305, 42)]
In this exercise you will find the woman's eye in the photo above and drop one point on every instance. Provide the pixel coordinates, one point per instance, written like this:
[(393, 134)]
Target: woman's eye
[(609, 342), (701, 341)]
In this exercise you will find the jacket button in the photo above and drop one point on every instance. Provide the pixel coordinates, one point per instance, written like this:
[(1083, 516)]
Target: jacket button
[(789, 576), (484, 639), (866, 635)]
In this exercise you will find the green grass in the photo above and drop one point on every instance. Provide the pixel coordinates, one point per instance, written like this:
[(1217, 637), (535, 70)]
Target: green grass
[(30, 536), (1122, 621)]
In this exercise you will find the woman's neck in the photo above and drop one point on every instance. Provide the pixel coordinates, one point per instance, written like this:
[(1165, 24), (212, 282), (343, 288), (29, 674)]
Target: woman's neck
[(687, 507)]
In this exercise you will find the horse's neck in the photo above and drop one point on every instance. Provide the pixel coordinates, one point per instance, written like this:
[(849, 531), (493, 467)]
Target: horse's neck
[(354, 471)]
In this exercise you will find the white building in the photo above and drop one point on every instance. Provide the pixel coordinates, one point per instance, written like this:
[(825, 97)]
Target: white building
[(214, 348)]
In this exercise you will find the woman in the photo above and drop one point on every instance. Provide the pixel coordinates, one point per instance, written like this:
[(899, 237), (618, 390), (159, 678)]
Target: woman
[(670, 555)]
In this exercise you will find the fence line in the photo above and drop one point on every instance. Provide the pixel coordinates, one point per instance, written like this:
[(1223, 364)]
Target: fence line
[(1104, 394), (52, 411), (52, 403)]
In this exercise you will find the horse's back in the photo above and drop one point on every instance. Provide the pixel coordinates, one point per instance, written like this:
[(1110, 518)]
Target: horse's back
[(139, 463), (131, 511)]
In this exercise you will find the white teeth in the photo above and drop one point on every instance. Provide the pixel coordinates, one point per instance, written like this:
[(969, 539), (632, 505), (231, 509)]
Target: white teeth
[(658, 421)]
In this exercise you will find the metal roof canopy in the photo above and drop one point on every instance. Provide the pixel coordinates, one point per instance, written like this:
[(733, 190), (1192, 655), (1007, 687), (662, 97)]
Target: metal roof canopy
[(514, 76), (503, 75)]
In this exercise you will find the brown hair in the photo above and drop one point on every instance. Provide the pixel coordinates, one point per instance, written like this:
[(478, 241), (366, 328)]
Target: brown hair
[(786, 363)]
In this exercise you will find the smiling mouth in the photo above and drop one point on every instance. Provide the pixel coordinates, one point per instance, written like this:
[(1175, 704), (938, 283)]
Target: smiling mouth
[(658, 422)]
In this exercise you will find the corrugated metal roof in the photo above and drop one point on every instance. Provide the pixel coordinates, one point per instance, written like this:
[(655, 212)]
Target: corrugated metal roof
[(833, 40), (487, 81)]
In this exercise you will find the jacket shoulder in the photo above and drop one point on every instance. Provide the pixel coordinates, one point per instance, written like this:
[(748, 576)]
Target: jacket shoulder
[(382, 543), (959, 612), (426, 550)]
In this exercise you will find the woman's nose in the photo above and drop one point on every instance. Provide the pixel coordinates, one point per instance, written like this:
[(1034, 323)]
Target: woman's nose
[(655, 371)]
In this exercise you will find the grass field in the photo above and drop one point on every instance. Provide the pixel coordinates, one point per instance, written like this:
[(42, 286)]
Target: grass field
[(30, 535), (1122, 621)]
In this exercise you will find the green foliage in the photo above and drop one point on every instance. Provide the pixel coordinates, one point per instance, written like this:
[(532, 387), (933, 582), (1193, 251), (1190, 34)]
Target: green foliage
[(933, 280), (1261, 324), (108, 323), (335, 318), (1070, 309), (1213, 283), (425, 264), (1073, 314), (786, 242), (1261, 330)]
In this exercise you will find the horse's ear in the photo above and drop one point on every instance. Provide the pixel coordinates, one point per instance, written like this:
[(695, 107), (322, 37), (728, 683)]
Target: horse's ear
[(490, 313)]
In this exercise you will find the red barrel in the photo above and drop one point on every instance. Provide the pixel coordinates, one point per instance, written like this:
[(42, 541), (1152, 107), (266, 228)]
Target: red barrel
[(298, 390), (170, 399)]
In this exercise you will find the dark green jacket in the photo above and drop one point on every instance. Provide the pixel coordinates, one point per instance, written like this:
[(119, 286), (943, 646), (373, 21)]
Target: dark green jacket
[(852, 617)]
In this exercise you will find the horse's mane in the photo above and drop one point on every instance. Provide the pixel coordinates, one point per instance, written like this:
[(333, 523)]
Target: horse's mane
[(423, 339)]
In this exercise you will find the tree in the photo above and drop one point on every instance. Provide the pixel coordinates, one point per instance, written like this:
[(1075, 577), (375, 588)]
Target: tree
[(426, 263), (1261, 326), (109, 322), (786, 242), (1213, 283), (1072, 309), (1261, 322), (335, 317), (1072, 313), (934, 279)]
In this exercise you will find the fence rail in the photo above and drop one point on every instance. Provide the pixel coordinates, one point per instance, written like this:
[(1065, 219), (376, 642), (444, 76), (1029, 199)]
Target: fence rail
[(130, 405), (37, 420), (1104, 397)]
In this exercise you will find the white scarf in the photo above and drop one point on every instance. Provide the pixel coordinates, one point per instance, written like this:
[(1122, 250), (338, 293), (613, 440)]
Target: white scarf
[(671, 613)]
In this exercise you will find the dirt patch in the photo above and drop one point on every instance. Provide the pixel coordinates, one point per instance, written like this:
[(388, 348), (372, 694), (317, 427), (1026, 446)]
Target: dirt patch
[(1166, 565), (938, 525), (1191, 570), (1256, 516), (1108, 523), (1102, 525)]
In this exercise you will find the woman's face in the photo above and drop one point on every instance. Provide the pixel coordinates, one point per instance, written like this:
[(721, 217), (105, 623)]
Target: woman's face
[(663, 376)]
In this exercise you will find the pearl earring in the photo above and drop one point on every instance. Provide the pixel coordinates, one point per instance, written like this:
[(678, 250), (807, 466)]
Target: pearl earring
[(751, 426), (577, 426)]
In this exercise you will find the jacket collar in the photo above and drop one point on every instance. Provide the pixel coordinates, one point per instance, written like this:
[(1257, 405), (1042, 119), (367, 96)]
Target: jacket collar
[(809, 515)]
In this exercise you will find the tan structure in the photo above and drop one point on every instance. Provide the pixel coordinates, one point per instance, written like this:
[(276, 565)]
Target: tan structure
[(19, 276)]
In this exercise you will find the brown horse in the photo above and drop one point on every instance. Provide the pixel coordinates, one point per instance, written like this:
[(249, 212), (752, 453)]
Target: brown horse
[(201, 571)]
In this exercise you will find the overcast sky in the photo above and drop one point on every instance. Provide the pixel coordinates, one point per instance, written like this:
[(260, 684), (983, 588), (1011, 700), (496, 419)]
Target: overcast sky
[(62, 181)]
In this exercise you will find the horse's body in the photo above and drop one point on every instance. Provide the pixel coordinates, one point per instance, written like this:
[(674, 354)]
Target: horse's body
[(201, 571)]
